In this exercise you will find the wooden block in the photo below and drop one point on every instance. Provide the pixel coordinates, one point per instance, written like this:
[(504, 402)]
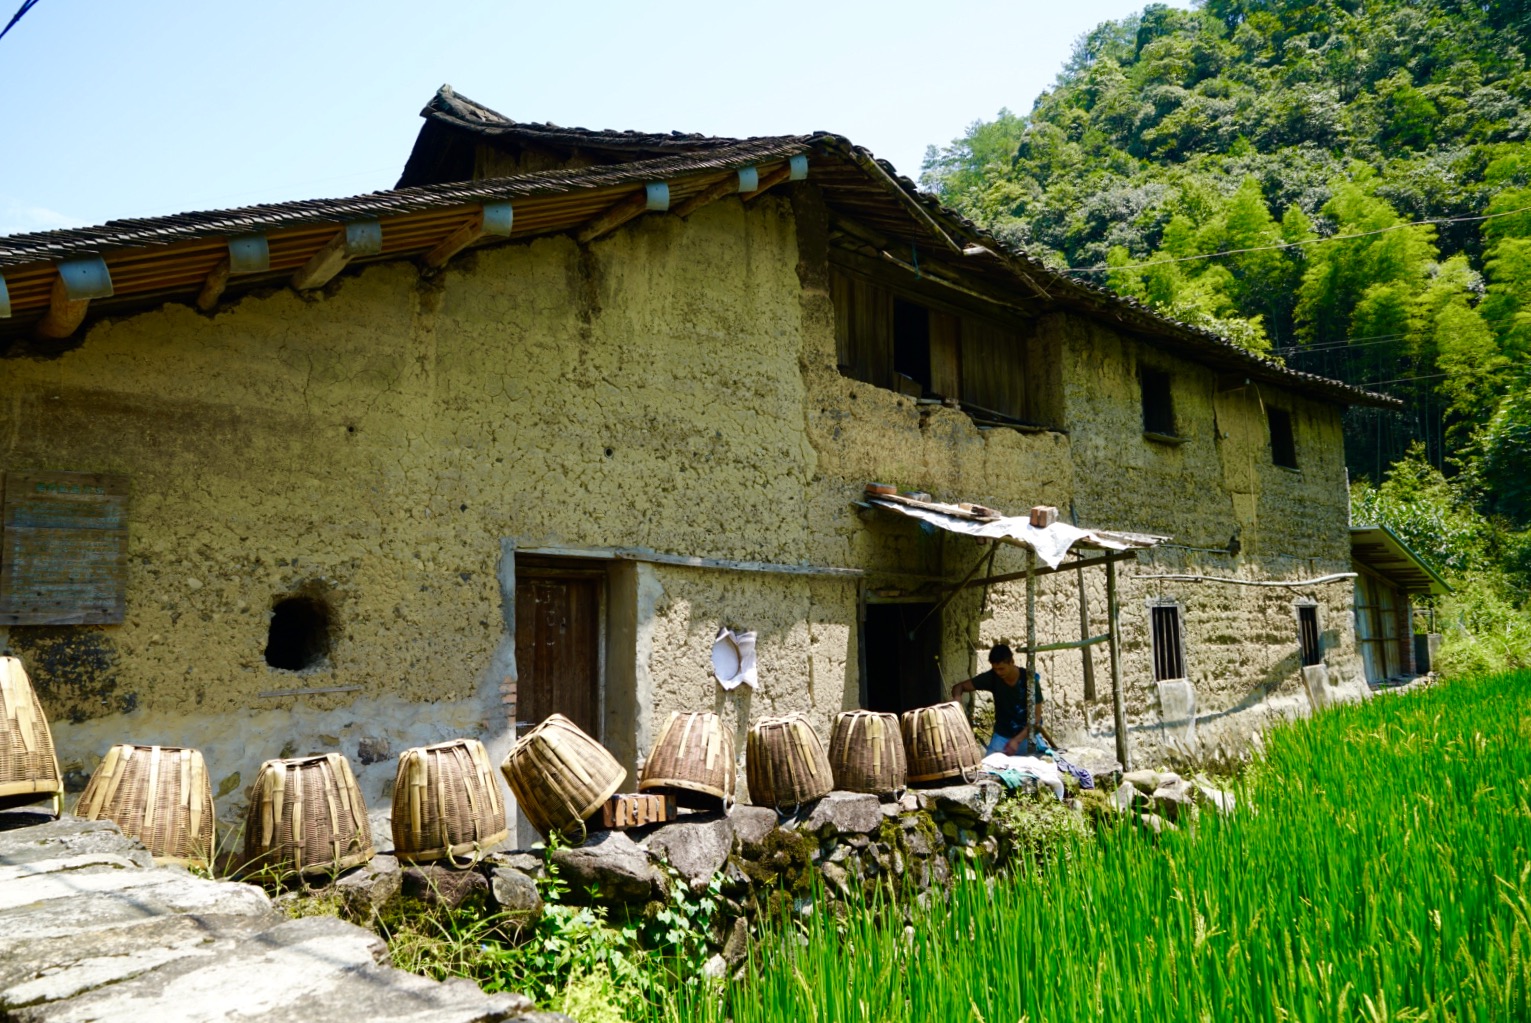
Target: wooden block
[(1043, 515), (635, 809)]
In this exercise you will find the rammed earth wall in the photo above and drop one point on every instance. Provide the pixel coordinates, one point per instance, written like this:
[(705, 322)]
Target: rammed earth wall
[(388, 444)]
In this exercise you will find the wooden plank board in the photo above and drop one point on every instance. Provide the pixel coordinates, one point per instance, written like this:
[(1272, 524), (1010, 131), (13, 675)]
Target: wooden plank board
[(63, 549)]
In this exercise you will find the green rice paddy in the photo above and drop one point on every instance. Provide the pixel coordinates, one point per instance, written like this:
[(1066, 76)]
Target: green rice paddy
[(1377, 869)]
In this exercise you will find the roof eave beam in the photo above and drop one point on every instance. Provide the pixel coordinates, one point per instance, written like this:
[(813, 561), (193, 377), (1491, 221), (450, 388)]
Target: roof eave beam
[(493, 219), (78, 281), (770, 181), (655, 196), (360, 238), (725, 186), (248, 254)]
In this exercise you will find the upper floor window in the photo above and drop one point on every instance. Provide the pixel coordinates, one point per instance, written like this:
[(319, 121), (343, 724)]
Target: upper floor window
[(1283, 442), (934, 351), (1158, 403)]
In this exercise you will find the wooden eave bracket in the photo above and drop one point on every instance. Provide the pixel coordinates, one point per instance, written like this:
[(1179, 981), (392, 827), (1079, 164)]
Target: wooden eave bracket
[(770, 181), (78, 281), (359, 238), (248, 254), (493, 219), (655, 196)]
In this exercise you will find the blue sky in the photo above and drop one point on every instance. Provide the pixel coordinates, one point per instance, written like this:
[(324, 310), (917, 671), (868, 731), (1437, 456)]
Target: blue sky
[(126, 109)]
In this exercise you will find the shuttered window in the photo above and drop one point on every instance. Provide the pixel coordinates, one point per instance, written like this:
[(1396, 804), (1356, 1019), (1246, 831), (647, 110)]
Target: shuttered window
[(903, 344), (1169, 655)]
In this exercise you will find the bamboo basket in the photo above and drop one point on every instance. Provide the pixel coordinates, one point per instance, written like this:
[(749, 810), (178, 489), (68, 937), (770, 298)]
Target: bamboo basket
[(939, 743), (693, 760), (446, 803), (560, 776), (307, 815), (866, 753), (785, 763), (160, 795), (28, 767)]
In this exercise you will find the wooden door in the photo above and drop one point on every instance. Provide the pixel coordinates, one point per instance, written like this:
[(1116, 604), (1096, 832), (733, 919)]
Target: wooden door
[(558, 646)]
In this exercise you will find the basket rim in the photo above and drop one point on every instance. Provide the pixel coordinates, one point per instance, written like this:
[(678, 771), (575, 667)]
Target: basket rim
[(689, 786), (442, 852)]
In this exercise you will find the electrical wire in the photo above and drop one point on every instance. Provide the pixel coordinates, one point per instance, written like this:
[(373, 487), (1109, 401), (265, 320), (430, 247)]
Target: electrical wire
[(1104, 268), (26, 6)]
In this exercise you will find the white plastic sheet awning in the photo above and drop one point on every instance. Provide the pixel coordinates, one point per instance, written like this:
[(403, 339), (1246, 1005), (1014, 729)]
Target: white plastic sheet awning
[(1051, 543)]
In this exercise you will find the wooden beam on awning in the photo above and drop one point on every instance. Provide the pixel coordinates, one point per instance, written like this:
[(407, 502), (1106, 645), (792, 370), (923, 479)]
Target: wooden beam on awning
[(1070, 566)]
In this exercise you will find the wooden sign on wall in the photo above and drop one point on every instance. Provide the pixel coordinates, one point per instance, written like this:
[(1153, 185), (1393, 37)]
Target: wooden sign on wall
[(63, 548)]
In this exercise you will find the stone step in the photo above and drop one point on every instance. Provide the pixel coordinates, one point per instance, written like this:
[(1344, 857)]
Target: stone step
[(91, 930)]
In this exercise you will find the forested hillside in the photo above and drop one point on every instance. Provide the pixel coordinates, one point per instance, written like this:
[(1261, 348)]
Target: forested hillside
[(1360, 176)]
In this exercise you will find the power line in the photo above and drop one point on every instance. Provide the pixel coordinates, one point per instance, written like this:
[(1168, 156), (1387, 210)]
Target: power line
[(26, 6), (1103, 268)]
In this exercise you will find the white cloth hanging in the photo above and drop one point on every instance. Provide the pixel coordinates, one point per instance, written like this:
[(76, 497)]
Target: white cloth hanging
[(733, 659)]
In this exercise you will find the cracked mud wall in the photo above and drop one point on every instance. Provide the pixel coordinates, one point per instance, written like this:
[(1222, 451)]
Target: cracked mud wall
[(380, 440), (673, 386)]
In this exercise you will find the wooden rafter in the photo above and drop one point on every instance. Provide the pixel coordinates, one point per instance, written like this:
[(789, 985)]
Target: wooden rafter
[(727, 185), (352, 240), (770, 181), (64, 314), (212, 287), (614, 217), (491, 219)]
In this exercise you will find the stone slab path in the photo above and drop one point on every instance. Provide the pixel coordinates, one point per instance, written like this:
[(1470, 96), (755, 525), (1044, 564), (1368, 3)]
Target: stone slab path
[(91, 930)]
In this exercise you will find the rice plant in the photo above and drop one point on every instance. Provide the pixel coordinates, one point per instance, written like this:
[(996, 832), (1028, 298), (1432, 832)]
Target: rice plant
[(1378, 870)]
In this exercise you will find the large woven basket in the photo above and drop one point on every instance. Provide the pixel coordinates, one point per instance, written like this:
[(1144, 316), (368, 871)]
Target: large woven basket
[(866, 753), (306, 815), (159, 795), (785, 763), (560, 776), (693, 760), (939, 743), (28, 768), (446, 803)]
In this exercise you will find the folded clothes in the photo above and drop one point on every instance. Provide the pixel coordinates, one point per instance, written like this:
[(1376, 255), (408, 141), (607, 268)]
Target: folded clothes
[(1086, 779), (1042, 770)]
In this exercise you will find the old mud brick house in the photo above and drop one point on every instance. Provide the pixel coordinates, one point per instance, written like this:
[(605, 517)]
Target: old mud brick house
[(523, 433)]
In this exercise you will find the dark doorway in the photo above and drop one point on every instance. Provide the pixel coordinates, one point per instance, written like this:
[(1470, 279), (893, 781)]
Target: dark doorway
[(558, 641), (902, 671)]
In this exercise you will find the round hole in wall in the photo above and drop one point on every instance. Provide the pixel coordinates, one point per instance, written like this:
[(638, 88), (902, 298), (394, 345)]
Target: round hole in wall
[(609, 452), (299, 635)]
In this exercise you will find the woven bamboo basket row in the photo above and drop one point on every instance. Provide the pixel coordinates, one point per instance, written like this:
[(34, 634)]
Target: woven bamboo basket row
[(446, 803), (306, 815), (939, 743), (866, 753), (785, 763), (160, 795), (560, 776), (693, 760), (28, 768)]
